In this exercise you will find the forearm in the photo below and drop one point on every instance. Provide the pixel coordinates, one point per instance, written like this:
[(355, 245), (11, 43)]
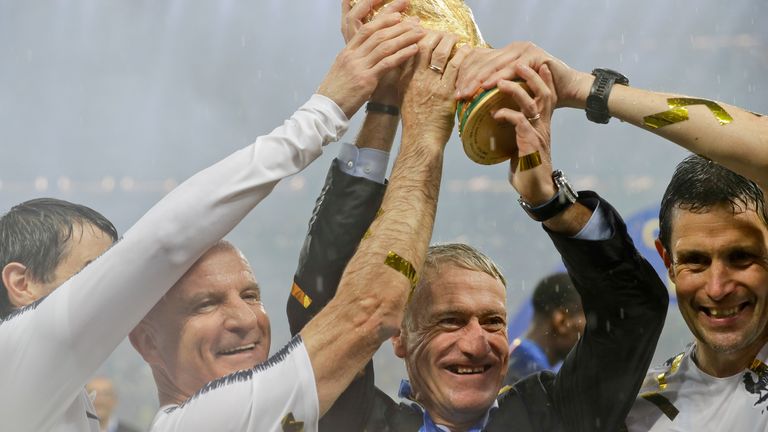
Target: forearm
[(733, 137), (82, 322), (368, 306), (378, 131)]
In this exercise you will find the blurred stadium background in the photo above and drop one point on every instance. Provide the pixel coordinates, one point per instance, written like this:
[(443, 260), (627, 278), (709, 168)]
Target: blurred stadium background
[(113, 103)]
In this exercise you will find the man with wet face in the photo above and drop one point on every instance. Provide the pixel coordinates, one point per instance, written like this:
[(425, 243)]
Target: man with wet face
[(453, 337), (210, 323), (713, 238)]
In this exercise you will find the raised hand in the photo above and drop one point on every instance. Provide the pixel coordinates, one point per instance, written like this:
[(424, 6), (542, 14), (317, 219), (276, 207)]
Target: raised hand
[(429, 86), (531, 178), (484, 68), (375, 49)]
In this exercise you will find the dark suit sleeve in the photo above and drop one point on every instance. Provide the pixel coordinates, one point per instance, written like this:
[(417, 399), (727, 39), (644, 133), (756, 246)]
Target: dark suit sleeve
[(625, 304), (343, 212)]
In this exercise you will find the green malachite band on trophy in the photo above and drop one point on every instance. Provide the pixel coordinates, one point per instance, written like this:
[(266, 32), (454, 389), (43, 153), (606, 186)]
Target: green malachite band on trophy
[(485, 140), (472, 105)]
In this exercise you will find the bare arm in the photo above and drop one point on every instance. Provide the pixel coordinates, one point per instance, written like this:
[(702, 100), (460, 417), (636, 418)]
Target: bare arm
[(740, 142), (368, 306)]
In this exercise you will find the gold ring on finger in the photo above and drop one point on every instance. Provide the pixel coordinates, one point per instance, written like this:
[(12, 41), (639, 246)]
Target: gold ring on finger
[(534, 118)]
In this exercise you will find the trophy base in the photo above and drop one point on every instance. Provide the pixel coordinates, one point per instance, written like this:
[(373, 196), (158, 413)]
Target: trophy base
[(485, 140)]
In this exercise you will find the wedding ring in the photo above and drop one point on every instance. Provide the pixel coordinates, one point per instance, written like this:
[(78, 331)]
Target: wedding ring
[(534, 118), (529, 161), (436, 68)]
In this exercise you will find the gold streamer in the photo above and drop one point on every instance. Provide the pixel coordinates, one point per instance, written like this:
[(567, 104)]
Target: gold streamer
[(290, 424), (662, 377), (759, 368), (662, 403), (529, 161), (301, 296), (678, 112), (404, 267)]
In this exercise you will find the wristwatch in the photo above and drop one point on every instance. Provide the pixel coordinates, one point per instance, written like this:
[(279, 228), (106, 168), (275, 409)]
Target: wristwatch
[(597, 101), (564, 198)]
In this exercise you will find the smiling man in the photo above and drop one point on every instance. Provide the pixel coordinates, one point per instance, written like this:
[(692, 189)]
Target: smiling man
[(714, 241), (453, 336), (210, 323), (713, 238)]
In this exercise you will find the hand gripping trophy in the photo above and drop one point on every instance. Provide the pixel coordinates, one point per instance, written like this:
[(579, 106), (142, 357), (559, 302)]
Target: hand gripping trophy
[(485, 140)]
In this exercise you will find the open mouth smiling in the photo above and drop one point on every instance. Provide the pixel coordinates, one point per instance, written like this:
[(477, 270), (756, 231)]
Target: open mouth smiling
[(723, 313), (237, 350), (468, 370)]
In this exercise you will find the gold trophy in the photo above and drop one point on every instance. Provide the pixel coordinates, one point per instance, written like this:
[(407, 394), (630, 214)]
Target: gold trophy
[(485, 140)]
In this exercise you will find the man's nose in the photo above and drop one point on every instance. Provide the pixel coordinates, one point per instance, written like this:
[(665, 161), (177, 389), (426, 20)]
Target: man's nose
[(473, 341), (240, 315), (720, 282)]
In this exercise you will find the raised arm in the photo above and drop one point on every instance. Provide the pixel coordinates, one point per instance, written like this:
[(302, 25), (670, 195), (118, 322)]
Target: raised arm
[(368, 306), (623, 298), (50, 349), (351, 195), (729, 135)]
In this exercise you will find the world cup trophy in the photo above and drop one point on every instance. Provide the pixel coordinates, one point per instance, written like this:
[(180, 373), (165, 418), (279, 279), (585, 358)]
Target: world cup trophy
[(485, 140)]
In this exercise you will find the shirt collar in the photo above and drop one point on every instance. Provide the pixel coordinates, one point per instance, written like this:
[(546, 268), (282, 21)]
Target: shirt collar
[(406, 392)]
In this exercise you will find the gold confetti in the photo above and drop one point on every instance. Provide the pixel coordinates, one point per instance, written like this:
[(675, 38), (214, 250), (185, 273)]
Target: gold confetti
[(678, 112)]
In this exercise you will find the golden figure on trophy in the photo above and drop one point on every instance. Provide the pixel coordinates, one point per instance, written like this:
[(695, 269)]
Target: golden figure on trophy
[(485, 140)]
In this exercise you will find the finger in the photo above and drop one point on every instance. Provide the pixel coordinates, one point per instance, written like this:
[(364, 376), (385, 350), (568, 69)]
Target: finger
[(549, 81), (524, 131), (394, 6), (506, 72), (386, 34), (346, 6), (352, 17), (426, 46), (453, 67), (397, 39), (477, 78), (538, 87), (394, 60), (368, 30), (361, 9), (524, 101), (442, 51)]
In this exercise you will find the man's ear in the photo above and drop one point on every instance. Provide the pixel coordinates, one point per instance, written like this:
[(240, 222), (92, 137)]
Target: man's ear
[(398, 343), (666, 258), (143, 340), (19, 285), (559, 321)]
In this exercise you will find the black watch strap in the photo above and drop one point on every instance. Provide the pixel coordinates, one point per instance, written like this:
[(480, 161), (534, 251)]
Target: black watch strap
[(564, 198), (597, 101), (382, 108)]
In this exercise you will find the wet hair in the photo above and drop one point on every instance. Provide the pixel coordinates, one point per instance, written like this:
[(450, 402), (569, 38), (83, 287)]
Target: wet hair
[(457, 254), (700, 184), (461, 255), (554, 292), (36, 232)]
